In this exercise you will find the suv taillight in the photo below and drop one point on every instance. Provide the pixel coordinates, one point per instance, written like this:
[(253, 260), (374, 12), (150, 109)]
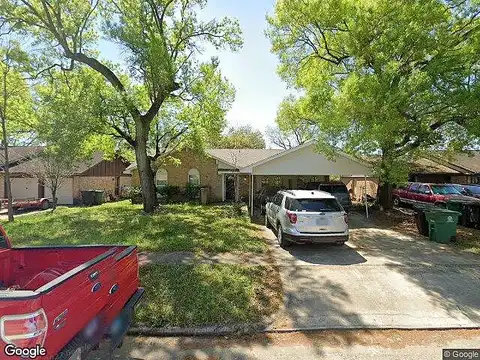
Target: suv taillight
[(292, 217), (24, 331), (345, 217)]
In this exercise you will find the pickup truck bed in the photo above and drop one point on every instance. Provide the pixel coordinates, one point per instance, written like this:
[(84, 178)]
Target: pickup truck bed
[(73, 292)]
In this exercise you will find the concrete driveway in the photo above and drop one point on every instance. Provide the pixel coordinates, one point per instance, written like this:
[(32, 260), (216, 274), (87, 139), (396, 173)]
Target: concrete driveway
[(380, 279)]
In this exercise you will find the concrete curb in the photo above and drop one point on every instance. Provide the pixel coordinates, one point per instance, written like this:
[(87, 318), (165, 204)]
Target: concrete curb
[(214, 330), (250, 329)]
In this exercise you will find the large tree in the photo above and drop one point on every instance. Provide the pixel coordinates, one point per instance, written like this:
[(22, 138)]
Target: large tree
[(16, 110), (160, 40), (292, 129), (384, 77), (241, 137)]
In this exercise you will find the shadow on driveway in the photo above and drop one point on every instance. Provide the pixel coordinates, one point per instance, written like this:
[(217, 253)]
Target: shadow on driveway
[(380, 279), (325, 254)]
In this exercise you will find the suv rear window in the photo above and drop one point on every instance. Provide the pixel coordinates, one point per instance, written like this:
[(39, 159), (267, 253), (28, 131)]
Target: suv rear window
[(334, 189), (313, 205)]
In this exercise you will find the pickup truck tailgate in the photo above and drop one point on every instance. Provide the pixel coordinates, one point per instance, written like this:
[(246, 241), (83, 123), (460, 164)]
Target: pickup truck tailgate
[(84, 295)]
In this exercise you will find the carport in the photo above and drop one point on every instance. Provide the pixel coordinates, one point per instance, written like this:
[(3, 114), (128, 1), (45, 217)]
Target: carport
[(300, 163)]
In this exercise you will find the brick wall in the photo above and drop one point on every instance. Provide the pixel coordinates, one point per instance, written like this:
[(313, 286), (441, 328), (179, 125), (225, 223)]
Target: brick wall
[(357, 186), (462, 179), (81, 183), (178, 173), (125, 183)]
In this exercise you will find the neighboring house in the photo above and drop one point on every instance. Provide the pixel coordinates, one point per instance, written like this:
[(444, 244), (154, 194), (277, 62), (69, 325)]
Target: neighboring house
[(466, 166), (461, 169), (95, 173), (437, 171), (255, 168)]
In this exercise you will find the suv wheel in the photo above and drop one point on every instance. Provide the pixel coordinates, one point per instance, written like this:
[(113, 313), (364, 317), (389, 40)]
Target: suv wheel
[(281, 237), (267, 223)]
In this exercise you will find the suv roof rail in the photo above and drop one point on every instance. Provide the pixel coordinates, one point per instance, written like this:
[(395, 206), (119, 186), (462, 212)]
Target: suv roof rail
[(290, 192)]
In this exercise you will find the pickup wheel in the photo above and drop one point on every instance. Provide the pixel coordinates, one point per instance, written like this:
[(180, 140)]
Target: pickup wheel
[(45, 204), (396, 201)]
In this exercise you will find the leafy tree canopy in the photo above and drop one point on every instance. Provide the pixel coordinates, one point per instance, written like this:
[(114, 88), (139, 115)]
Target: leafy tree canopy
[(16, 104), (161, 92), (242, 137), (292, 129), (385, 76)]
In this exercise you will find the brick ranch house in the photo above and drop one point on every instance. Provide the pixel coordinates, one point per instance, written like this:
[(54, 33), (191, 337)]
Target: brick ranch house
[(216, 170), (95, 173)]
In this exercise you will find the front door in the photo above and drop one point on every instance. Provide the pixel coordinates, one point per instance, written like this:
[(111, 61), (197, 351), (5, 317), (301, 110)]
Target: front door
[(230, 187)]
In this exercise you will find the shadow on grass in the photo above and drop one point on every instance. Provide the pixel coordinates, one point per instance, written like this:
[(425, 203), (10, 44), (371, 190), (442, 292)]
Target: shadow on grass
[(199, 295), (179, 227)]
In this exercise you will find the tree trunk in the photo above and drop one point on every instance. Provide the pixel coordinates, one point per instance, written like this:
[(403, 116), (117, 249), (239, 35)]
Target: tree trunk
[(385, 186), (54, 200), (8, 185), (237, 188), (385, 195), (145, 172)]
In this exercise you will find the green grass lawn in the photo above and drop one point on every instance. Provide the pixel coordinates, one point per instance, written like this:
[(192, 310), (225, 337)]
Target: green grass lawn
[(183, 295), (188, 295), (178, 227)]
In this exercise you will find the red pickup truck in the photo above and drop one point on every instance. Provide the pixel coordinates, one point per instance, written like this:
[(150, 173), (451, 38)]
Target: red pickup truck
[(30, 203), (437, 194), (59, 303)]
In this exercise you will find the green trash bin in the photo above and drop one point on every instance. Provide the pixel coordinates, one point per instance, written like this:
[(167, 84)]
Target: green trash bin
[(442, 224), (99, 197), (420, 218), (88, 197), (458, 206)]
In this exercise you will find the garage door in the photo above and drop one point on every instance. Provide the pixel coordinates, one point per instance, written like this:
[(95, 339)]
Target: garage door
[(64, 193), (24, 188)]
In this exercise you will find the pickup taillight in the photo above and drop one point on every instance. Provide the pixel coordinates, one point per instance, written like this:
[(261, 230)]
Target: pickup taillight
[(292, 217), (24, 331)]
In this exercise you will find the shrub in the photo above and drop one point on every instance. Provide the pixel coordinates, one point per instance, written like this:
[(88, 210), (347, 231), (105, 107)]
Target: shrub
[(192, 192), (135, 194), (169, 192)]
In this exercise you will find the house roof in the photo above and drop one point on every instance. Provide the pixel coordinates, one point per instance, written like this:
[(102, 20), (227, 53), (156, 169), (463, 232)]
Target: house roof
[(237, 158), (84, 165), (310, 162), (469, 161), (283, 152), (18, 154), (29, 166), (240, 158), (424, 165), (428, 166)]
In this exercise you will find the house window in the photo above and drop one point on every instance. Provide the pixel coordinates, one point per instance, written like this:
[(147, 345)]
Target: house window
[(161, 178), (193, 177)]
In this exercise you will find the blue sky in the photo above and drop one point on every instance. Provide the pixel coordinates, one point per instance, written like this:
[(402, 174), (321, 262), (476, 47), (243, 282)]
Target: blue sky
[(252, 70)]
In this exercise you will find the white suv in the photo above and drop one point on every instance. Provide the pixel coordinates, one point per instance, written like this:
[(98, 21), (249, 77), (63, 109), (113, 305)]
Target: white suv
[(307, 216)]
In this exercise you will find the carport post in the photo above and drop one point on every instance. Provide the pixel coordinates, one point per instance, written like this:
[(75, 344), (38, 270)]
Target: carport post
[(251, 195), (366, 200)]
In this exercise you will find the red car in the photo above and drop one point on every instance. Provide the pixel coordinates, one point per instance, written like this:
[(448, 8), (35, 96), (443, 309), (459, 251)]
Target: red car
[(437, 194), (61, 302)]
